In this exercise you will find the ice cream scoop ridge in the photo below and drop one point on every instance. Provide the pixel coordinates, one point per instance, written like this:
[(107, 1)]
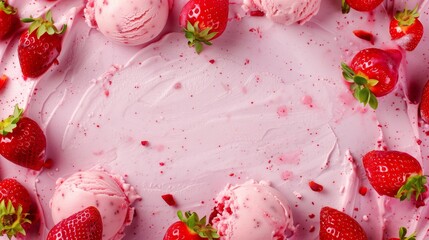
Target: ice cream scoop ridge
[(96, 187), (253, 210), (285, 11), (132, 22)]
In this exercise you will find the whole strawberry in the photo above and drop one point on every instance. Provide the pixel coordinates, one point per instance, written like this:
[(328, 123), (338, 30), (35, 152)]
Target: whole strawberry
[(84, 225), (394, 174), (40, 46), (406, 29), (338, 225), (424, 103), (15, 205), (372, 73), (22, 141), (360, 5), (190, 227), (203, 21), (7, 18), (403, 235)]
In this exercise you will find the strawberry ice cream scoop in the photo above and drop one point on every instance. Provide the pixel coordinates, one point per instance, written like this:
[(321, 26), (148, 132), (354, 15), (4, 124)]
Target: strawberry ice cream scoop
[(128, 22), (252, 211), (285, 11), (108, 193)]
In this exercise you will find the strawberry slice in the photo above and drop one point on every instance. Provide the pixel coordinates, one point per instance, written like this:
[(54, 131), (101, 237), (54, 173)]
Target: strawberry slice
[(7, 18), (83, 225), (395, 174), (203, 21), (15, 203), (403, 235), (406, 29), (22, 141), (40, 46), (338, 225), (190, 227)]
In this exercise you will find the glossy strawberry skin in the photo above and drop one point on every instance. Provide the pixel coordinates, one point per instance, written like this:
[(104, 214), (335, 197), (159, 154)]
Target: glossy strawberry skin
[(378, 64), (387, 171), (6, 23), (209, 13), (338, 225), (25, 146), (179, 231), (36, 55), (424, 103), (408, 36), (84, 225), (364, 5), (12, 190)]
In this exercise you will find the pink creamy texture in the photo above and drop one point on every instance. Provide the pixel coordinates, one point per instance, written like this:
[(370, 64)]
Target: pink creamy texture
[(109, 193), (253, 211), (131, 22), (213, 119)]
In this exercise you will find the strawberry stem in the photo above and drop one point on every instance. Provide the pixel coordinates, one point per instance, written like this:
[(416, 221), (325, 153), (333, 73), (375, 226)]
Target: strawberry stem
[(345, 7), (8, 124), (360, 86), (199, 226), (407, 17), (403, 234), (43, 25), (196, 37), (11, 219), (415, 185), (7, 8)]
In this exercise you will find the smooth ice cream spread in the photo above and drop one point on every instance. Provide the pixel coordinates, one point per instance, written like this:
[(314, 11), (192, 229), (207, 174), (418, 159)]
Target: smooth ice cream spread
[(267, 101)]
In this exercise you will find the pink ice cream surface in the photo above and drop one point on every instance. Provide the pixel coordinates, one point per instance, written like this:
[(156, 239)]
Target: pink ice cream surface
[(285, 11), (253, 211), (129, 22), (109, 193)]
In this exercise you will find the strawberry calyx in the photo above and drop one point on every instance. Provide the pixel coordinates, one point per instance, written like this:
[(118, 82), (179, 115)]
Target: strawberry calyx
[(196, 37), (43, 25), (8, 124), (360, 86), (198, 226), (407, 17), (345, 7), (7, 8), (415, 184), (403, 234), (12, 219)]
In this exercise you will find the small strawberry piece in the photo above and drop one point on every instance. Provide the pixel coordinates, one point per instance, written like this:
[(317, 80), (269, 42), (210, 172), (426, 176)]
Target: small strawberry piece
[(169, 199), (7, 18), (360, 5), (203, 21), (406, 29), (372, 73), (424, 103), (15, 203), (367, 36), (403, 235), (363, 191), (190, 227), (22, 141), (40, 46), (84, 225), (3, 81), (338, 225), (394, 174), (315, 186)]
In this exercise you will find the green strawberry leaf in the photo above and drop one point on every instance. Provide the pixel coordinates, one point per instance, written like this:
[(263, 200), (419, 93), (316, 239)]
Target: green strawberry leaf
[(345, 8), (8, 124), (43, 25), (199, 226)]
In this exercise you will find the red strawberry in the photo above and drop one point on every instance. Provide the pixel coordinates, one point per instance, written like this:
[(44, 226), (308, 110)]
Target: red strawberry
[(203, 21), (372, 73), (84, 225), (360, 5), (403, 235), (338, 225), (38, 50), (22, 141), (394, 174), (424, 103), (406, 29), (190, 227), (3, 81), (7, 18), (15, 203)]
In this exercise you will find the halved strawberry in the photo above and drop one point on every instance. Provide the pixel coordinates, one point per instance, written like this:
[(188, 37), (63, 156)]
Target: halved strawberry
[(395, 174), (38, 50), (406, 29), (190, 227), (338, 225)]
